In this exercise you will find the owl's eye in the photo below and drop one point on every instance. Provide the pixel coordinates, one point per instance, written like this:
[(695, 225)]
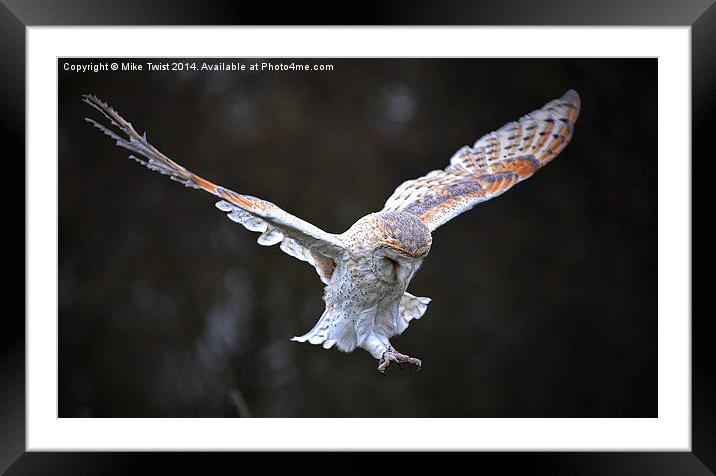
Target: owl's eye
[(386, 268), (392, 263)]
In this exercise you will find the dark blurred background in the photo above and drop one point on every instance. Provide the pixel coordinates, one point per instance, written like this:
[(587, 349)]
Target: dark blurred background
[(544, 299)]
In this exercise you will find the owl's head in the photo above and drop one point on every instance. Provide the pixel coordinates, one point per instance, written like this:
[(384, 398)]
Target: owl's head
[(402, 242), (404, 233)]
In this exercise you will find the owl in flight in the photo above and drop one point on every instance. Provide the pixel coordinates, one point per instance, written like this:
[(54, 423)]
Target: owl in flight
[(366, 270)]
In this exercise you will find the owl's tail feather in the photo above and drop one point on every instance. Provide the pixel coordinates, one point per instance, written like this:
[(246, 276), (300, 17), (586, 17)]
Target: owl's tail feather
[(137, 143), (411, 307), (320, 332)]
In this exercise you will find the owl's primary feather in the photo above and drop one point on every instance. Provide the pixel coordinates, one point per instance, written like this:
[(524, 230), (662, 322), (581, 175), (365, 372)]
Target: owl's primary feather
[(368, 268)]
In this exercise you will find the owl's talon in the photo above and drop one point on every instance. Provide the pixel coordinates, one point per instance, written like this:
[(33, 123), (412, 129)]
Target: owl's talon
[(405, 363)]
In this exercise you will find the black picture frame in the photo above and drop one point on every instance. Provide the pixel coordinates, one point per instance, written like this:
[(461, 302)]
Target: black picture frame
[(16, 15)]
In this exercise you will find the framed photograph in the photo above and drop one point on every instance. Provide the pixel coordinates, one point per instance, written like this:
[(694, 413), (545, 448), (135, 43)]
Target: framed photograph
[(408, 292)]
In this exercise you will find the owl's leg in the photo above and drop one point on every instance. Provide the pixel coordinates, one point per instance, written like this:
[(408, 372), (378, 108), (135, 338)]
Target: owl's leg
[(392, 358)]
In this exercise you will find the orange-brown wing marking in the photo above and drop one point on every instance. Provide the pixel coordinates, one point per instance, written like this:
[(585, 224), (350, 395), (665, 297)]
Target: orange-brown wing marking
[(495, 163)]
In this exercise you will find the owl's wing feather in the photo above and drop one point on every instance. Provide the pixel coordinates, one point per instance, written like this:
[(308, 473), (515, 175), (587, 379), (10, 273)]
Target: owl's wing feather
[(495, 163), (296, 237)]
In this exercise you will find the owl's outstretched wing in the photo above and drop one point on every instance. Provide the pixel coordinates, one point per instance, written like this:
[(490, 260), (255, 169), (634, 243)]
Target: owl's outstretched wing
[(489, 168), (296, 237)]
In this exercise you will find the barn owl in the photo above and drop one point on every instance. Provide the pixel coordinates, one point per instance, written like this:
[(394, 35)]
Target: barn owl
[(367, 269)]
